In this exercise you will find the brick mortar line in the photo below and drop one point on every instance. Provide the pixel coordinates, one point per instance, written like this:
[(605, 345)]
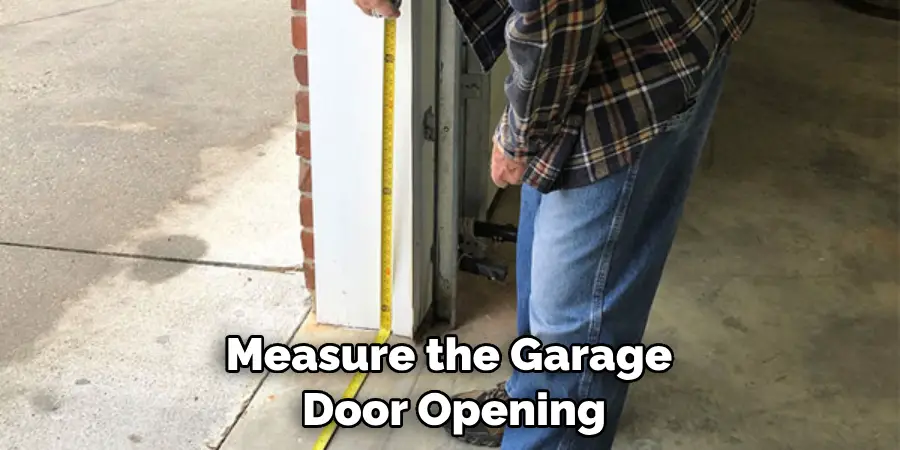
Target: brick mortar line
[(299, 25)]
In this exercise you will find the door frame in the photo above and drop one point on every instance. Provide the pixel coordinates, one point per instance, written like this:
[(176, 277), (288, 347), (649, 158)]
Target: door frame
[(449, 132), (462, 167)]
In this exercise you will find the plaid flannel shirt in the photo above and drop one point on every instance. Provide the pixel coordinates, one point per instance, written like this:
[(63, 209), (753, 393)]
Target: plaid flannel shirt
[(593, 80)]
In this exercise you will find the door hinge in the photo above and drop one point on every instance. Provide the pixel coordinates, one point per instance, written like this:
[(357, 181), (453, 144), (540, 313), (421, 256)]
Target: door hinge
[(429, 125)]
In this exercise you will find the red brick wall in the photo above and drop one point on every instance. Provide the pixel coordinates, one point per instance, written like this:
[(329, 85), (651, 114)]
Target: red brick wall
[(301, 72)]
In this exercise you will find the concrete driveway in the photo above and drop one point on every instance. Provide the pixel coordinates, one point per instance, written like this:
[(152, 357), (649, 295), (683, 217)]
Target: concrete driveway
[(159, 129)]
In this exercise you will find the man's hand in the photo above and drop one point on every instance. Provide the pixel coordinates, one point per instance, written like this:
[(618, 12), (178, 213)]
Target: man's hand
[(505, 171), (383, 7)]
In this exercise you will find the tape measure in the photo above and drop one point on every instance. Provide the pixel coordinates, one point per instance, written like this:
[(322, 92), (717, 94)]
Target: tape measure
[(387, 214)]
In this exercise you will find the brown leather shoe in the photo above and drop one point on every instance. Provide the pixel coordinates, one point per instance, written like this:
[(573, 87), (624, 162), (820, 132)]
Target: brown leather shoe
[(482, 435)]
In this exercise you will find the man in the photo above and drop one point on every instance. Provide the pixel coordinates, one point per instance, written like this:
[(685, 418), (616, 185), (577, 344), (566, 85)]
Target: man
[(610, 102)]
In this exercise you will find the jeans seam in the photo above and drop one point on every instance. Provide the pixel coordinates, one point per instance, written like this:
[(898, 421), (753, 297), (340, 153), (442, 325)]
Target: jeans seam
[(600, 279)]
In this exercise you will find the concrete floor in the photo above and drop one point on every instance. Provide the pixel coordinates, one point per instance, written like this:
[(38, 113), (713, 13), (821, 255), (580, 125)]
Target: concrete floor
[(112, 112), (157, 128), (781, 295)]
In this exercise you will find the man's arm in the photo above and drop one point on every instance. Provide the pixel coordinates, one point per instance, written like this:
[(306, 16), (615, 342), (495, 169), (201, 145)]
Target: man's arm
[(550, 45)]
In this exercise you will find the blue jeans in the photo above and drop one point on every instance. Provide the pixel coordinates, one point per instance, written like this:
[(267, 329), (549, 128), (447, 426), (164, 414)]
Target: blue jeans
[(589, 261)]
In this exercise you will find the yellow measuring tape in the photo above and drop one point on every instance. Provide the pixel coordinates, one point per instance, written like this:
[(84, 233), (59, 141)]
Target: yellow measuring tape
[(387, 215)]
